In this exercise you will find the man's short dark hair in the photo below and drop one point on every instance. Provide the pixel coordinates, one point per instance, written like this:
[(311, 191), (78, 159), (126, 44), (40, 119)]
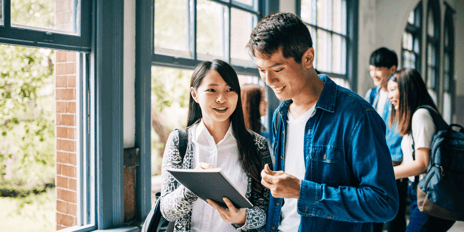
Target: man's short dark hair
[(278, 30), (383, 57)]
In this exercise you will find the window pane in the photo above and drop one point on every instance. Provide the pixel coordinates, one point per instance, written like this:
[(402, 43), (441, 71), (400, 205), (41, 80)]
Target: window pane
[(324, 14), (447, 36), (312, 31), (337, 54), (171, 27), (169, 102), (324, 47), (341, 82), (411, 18), (430, 77), (241, 27), (59, 15), (430, 24), (413, 59), (447, 113), (248, 2), (308, 11), (1, 12), (416, 45), (210, 29), (339, 16)]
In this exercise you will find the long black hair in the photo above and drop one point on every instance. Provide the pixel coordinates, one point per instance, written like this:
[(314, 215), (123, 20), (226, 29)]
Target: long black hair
[(252, 95), (412, 94), (248, 155)]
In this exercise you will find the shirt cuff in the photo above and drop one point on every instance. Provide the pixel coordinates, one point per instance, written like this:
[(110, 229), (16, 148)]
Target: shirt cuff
[(310, 195)]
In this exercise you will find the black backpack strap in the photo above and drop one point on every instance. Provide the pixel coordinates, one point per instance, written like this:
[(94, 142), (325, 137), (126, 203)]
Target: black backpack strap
[(437, 118), (183, 139)]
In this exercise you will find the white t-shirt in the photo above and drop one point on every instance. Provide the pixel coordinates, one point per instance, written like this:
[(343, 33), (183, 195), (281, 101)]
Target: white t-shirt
[(383, 96), (223, 155), (294, 165), (423, 130)]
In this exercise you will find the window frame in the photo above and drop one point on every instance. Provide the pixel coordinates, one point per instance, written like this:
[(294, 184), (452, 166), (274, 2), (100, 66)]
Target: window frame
[(449, 50), (416, 31), (434, 8)]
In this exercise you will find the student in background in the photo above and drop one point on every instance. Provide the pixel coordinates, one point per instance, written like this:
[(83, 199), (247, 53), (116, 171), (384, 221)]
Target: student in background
[(331, 159), (407, 91), (217, 137), (254, 107), (383, 63)]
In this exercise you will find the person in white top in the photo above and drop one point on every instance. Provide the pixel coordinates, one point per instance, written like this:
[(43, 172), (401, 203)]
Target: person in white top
[(407, 91), (217, 137)]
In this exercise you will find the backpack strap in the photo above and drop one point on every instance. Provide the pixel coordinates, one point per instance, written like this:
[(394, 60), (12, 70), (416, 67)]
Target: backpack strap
[(183, 139)]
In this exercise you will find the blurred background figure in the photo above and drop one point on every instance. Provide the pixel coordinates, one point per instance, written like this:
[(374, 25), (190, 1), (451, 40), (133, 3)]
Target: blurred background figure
[(254, 106)]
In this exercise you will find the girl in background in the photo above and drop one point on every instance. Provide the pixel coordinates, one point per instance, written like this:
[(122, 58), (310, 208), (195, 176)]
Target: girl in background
[(254, 106), (217, 137), (407, 91)]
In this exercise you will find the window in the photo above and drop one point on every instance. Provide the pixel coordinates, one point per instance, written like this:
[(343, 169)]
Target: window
[(411, 46), (327, 23), (432, 76), (448, 88), (187, 32), (55, 30)]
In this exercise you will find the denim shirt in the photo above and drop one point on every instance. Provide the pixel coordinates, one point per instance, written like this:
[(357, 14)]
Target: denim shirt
[(393, 137), (349, 181)]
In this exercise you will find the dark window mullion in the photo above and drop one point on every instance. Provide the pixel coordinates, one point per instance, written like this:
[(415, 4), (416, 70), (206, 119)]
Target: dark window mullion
[(326, 30), (6, 13)]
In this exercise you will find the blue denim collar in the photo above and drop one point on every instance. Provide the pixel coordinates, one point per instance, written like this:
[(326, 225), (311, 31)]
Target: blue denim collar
[(326, 100)]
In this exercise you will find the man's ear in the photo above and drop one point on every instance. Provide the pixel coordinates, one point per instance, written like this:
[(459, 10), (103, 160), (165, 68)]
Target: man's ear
[(393, 69), (194, 94), (308, 58)]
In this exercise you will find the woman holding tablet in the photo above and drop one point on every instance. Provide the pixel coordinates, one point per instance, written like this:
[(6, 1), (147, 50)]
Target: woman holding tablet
[(217, 137)]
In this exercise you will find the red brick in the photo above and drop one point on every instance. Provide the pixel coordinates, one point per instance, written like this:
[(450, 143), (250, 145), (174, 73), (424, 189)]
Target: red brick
[(60, 227), (62, 182), (71, 56), (58, 144), (67, 94), (71, 81), (60, 6), (69, 196), (61, 132), (60, 69), (72, 209), (59, 217), (59, 193), (61, 157), (67, 220), (61, 81), (71, 133), (69, 171), (71, 107), (70, 68), (67, 120), (61, 56), (58, 169), (61, 206), (72, 184), (61, 107), (72, 158), (67, 145), (58, 119)]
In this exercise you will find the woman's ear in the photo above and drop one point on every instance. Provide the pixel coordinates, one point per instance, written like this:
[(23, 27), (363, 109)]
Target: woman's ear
[(194, 94)]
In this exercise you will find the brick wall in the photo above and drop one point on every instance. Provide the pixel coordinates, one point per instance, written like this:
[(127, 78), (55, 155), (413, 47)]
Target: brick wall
[(66, 170)]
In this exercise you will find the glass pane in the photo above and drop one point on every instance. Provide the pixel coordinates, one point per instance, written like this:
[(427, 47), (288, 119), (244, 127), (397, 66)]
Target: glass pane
[(1, 12), (59, 15), (433, 94), (339, 16), (411, 18), (405, 40), (169, 103), (324, 14), (431, 57), (248, 2), (324, 46), (241, 27), (447, 63), (341, 82), (416, 45), (417, 16), (447, 36), (312, 31), (336, 54), (430, 77), (412, 56), (308, 11), (405, 59), (447, 111), (211, 18), (171, 27), (430, 24)]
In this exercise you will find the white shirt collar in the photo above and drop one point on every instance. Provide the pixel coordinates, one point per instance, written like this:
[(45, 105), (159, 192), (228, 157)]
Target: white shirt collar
[(202, 130)]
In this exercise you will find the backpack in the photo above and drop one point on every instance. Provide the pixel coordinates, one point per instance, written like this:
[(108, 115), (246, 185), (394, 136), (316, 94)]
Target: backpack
[(441, 192), (155, 222)]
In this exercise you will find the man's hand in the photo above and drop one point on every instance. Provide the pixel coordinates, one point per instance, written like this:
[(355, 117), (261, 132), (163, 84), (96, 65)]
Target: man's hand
[(230, 214), (281, 184)]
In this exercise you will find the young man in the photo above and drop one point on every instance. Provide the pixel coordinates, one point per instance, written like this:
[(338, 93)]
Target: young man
[(332, 164), (383, 63)]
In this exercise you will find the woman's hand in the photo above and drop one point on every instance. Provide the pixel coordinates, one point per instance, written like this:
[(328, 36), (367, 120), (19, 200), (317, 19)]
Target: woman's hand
[(203, 166), (230, 214)]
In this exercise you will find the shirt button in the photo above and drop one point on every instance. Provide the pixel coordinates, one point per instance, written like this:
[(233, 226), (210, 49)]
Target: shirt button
[(325, 156), (281, 157), (329, 217), (278, 203), (273, 227), (283, 132)]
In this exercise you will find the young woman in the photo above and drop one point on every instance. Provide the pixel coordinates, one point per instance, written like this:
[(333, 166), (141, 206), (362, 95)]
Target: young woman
[(254, 106), (407, 91), (217, 137)]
